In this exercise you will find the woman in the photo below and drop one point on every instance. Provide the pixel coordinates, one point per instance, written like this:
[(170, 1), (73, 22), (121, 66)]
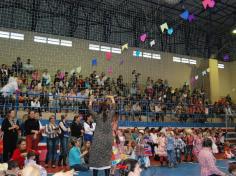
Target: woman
[(89, 128), (75, 156), (10, 135), (207, 160), (86, 147), (197, 144), (76, 127), (20, 153), (130, 167), (52, 131), (64, 139), (161, 149), (32, 132), (101, 149)]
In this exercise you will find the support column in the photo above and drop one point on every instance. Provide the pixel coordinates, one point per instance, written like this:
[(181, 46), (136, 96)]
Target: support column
[(214, 80)]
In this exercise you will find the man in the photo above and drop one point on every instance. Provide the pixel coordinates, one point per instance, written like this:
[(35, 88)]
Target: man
[(207, 160)]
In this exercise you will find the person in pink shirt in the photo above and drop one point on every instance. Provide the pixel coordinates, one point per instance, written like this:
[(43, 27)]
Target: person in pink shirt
[(207, 160)]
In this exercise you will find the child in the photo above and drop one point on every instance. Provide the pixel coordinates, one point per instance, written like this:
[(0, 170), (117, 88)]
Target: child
[(161, 149), (31, 161), (179, 147)]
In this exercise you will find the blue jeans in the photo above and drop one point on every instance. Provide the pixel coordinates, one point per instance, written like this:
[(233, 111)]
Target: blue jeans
[(52, 150), (171, 157), (64, 142)]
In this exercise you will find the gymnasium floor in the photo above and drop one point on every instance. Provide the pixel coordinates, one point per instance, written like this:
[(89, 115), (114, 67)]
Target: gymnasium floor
[(184, 169)]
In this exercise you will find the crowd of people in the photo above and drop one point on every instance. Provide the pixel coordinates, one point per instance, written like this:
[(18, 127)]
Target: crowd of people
[(66, 91), (93, 140)]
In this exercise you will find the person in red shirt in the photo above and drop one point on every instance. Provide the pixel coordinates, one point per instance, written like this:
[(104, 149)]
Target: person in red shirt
[(20, 153), (189, 147)]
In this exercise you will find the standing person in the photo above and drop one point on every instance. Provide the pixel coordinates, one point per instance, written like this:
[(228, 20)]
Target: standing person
[(179, 147), (76, 127), (171, 149), (89, 128), (161, 149), (10, 135), (101, 149), (207, 160), (197, 144), (189, 147), (52, 131), (32, 132), (64, 140)]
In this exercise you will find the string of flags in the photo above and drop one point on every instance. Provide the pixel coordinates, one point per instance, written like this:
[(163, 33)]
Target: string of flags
[(196, 77), (185, 15)]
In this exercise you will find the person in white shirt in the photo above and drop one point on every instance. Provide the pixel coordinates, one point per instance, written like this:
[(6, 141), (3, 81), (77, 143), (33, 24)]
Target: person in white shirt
[(46, 78), (89, 128), (10, 87)]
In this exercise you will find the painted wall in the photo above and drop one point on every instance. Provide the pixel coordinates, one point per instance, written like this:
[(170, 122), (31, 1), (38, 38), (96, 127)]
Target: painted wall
[(66, 58)]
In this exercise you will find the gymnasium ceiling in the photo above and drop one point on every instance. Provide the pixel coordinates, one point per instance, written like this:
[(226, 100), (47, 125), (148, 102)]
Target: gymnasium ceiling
[(121, 21)]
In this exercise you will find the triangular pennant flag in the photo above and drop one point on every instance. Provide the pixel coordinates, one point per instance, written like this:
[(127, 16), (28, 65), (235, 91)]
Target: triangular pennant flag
[(125, 46), (208, 3), (143, 37), (204, 73), (138, 53), (152, 43), (185, 15), (121, 61), (191, 18), (94, 62), (208, 70), (163, 27), (108, 56), (170, 31), (109, 70), (196, 77)]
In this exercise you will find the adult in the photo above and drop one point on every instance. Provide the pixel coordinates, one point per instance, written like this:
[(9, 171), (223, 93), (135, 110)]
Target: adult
[(52, 131), (76, 127), (207, 160), (75, 156), (20, 153), (10, 135), (89, 128), (101, 149), (64, 140), (32, 132)]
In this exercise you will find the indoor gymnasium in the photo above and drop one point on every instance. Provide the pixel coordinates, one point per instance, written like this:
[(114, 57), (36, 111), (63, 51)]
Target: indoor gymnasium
[(117, 87)]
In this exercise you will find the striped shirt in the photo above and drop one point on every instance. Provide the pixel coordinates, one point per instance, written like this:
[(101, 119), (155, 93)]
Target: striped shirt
[(52, 130)]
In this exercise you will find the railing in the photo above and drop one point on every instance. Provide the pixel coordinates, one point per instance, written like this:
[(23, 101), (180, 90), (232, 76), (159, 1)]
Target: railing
[(55, 103)]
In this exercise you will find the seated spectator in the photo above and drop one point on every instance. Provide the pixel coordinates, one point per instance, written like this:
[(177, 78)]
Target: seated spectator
[(31, 161), (13, 168), (75, 156), (86, 147), (232, 168), (136, 110), (20, 153), (46, 78), (28, 67)]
